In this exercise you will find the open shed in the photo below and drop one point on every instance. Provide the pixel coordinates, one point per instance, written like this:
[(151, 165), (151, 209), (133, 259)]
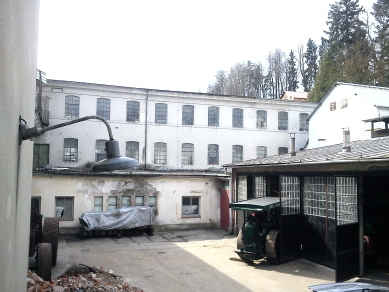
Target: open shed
[(330, 198)]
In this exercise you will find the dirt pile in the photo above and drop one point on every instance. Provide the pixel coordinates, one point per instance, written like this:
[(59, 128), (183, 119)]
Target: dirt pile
[(80, 278)]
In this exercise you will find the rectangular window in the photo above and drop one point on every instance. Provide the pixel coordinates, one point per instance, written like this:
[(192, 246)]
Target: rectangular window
[(346, 200), (319, 196), (213, 154), (72, 106), (132, 149), (40, 155), (332, 106), (100, 150), (187, 114), (261, 151), (160, 155), (190, 206), (133, 111), (187, 153), (139, 200), (290, 195), (237, 118), (282, 150), (282, 121), (237, 153), (67, 204), (70, 149), (126, 201), (98, 204), (103, 108), (242, 188), (213, 116), (160, 113), (260, 186), (112, 200), (153, 202), (261, 119), (303, 122)]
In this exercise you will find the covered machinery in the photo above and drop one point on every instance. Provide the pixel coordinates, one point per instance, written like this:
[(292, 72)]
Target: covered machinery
[(259, 236)]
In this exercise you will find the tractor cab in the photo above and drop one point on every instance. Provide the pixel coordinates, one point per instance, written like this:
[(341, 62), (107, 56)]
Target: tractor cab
[(258, 237)]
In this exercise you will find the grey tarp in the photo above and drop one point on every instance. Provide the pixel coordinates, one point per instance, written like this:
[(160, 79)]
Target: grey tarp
[(123, 218)]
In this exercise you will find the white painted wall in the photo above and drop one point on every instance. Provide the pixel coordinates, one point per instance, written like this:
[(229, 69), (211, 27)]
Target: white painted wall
[(169, 191), (327, 125), (18, 51), (173, 133)]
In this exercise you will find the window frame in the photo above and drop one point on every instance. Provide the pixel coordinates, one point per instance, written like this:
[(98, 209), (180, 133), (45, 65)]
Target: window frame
[(261, 119), (112, 206), (283, 148), (161, 113), (98, 205), (261, 149), (187, 154), (213, 116), (100, 149), (66, 211), (72, 152), (237, 153), (237, 118), (194, 215), (143, 201), (154, 206), (72, 106), (133, 109), (216, 152), (160, 159), (132, 152), (103, 108), (283, 121), (303, 123), (188, 115)]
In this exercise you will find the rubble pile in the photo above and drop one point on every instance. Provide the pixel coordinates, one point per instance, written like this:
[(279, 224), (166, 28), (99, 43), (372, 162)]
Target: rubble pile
[(80, 278)]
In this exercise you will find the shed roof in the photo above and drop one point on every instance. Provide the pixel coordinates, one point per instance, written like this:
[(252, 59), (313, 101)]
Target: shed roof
[(362, 150)]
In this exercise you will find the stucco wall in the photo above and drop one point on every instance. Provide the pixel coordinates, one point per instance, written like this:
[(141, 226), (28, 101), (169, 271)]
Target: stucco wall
[(325, 126), (18, 51), (173, 133), (169, 191)]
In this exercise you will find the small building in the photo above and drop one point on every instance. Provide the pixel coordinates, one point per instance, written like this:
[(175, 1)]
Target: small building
[(348, 105), (330, 198), (294, 95)]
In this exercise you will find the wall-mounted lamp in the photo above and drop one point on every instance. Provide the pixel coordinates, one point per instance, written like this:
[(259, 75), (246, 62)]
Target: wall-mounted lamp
[(114, 161)]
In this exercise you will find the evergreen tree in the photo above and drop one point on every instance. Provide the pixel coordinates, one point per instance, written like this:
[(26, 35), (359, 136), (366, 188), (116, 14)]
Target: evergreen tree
[(381, 42), (291, 74), (310, 72)]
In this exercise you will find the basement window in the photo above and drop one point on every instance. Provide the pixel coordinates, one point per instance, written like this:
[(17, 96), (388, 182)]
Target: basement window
[(153, 202), (190, 206), (126, 201), (98, 204), (112, 200), (139, 201)]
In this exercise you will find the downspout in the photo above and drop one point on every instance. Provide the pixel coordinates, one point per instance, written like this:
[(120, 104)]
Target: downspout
[(147, 107)]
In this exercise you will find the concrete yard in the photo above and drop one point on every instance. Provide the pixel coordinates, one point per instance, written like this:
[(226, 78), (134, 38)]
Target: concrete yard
[(187, 261)]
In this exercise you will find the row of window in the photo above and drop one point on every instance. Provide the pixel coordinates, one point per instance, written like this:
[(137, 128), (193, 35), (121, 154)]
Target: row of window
[(160, 152), (72, 105), (190, 205)]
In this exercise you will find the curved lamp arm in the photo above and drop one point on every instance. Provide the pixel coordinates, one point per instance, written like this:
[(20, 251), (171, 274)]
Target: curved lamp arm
[(114, 161)]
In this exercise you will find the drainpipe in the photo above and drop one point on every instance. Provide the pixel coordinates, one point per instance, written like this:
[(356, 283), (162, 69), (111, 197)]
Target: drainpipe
[(147, 107), (292, 144), (346, 140)]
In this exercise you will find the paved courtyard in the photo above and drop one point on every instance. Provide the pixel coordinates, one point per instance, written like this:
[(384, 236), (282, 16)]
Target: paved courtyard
[(187, 261)]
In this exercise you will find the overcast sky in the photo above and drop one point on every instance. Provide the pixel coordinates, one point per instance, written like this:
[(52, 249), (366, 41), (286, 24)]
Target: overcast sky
[(172, 45)]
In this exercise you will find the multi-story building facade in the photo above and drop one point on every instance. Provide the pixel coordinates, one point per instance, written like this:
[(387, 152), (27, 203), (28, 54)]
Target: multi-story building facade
[(167, 129)]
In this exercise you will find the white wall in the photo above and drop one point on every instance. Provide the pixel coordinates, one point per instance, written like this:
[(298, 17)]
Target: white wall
[(18, 51), (169, 191), (173, 133), (327, 125)]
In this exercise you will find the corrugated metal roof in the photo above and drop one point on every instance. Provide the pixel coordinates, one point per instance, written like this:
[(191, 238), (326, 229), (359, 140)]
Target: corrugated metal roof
[(362, 150)]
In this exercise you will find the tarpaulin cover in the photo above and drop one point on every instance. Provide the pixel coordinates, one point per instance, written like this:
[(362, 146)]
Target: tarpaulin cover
[(123, 218)]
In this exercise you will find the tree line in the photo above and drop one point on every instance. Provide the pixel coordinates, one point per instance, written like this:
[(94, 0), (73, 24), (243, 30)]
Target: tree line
[(354, 49)]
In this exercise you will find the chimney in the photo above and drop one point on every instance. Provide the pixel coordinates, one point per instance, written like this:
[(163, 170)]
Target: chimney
[(292, 144), (346, 140)]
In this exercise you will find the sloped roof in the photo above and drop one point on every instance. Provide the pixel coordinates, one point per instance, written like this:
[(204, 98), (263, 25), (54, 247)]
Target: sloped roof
[(362, 150), (374, 95)]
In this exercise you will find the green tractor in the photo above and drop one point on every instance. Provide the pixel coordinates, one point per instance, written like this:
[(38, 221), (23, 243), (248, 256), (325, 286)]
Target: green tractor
[(259, 236)]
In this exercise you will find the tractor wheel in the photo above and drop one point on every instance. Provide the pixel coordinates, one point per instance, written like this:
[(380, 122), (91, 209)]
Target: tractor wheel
[(50, 235), (43, 261), (272, 247)]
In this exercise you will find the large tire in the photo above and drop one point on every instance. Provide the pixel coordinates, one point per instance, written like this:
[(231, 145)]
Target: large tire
[(43, 261), (273, 247), (50, 235)]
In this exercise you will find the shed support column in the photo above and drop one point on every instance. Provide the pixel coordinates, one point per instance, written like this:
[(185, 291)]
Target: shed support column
[(234, 196), (361, 231)]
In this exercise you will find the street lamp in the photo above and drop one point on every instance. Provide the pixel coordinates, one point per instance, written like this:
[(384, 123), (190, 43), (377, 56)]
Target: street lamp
[(114, 161)]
